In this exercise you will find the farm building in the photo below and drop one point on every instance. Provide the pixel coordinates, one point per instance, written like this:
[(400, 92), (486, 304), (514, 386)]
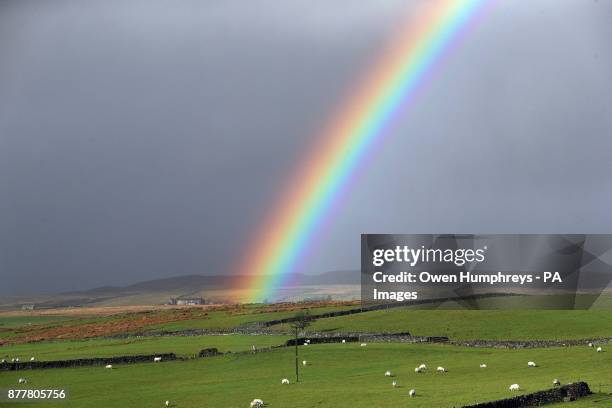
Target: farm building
[(189, 301)]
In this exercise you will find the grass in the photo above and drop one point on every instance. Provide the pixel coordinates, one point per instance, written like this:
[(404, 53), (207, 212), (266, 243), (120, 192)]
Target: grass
[(339, 376), (182, 346), (456, 324), (10, 322), (476, 324), (48, 327), (226, 320)]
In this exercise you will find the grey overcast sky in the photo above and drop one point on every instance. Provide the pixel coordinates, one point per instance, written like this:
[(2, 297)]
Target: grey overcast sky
[(142, 139)]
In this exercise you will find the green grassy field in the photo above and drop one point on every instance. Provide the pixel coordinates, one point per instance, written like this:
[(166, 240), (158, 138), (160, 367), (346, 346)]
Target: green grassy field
[(456, 324), (339, 375), (182, 346), (21, 326), (226, 320), (476, 324)]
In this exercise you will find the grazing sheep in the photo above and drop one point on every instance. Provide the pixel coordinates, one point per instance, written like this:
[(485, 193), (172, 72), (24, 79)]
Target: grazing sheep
[(441, 369), (423, 367), (156, 359), (305, 344), (599, 349), (257, 403), (363, 344), (109, 366), (23, 381), (284, 381), (531, 364), (304, 362), (32, 359), (343, 341), (556, 382), (483, 365), (590, 344), (387, 373), (3, 361), (167, 403), (394, 384), (418, 370), (412, 393), (514, 387)]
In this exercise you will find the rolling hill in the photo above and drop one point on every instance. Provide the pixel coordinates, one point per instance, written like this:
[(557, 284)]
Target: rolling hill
[(216, 288)]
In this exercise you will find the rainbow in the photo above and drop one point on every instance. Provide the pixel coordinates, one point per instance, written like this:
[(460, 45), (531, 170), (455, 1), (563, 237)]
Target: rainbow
[(321, 178)]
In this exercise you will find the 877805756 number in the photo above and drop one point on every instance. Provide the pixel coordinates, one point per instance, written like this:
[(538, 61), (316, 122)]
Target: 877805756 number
[(25, 394)]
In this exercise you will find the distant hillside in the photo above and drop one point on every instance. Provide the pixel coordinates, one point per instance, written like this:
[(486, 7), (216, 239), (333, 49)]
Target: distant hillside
[(196, 283), (188, 283), (216, 288)]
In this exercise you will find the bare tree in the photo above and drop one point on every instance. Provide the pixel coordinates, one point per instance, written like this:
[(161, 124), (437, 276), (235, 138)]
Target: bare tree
[(303, 319)]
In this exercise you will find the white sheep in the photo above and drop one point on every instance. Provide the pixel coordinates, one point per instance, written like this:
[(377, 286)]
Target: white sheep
[(483, 365), (441, 369), (387, 373), (3, 361), (531, 364), (157, 359), (167, 403), (307, 341), (305, 344), (343, 341), (423, 367), (285, 381), (412, 393), (363, 344), (599, 349), (590, 344), (418, 370), (394, 384), (32, 359), (109, 366), (257, 403), (23, 381), (514, 387), (304, 362), (556, 382)]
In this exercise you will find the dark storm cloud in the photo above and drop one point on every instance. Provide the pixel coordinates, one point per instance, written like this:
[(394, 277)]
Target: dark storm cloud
[(144, 139)]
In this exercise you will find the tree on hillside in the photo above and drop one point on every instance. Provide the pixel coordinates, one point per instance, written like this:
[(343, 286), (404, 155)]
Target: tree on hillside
[(301, 321)]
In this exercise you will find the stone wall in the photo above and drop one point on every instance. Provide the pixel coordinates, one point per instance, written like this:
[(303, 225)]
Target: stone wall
[(102, 361), (401, 338), (523, 344), (322, 339), (404, 337), (208, 352), (570, 392)]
